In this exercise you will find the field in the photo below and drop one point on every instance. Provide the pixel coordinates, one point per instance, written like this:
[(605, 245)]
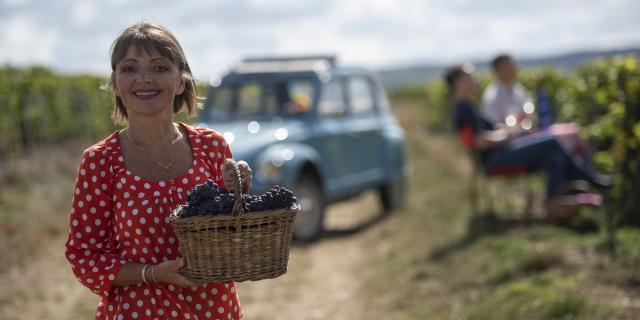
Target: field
[(432, 259)]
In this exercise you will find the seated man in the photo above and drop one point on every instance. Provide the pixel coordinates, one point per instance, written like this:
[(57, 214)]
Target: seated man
[(506, 147), (503, 101), (507, 103)]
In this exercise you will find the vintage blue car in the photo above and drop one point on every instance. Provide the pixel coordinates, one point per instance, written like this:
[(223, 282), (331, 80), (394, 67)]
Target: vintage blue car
[(324, 131)]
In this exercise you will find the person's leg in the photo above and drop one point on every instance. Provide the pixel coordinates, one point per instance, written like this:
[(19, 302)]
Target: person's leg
[(535, 156), (542, 151)]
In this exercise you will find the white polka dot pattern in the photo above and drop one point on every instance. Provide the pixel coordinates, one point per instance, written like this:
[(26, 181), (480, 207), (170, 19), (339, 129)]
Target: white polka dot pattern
[(119, 217)]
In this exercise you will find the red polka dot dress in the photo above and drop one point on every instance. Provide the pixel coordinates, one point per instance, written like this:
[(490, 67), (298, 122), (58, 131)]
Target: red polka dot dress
[(118, 217)]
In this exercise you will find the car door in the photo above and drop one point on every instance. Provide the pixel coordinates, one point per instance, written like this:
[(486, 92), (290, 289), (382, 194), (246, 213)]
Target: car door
[(364, 136), (332, 137)]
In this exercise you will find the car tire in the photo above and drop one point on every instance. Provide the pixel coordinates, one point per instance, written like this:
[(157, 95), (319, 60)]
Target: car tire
[(309, 221), (392, 194)]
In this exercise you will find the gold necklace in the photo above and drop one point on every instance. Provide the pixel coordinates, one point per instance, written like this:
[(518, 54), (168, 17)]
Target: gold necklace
[(166, 167)]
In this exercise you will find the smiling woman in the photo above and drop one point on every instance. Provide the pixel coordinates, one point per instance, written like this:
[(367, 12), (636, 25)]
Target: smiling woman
[(146, 82), (121, 244), (146, 52)]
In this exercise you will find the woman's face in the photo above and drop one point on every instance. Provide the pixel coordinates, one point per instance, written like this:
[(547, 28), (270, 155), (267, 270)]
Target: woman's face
[(467, 84), (147, 82)]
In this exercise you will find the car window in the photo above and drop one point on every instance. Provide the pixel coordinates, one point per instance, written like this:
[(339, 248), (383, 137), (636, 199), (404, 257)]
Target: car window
[(300, 97), (249, 97), (360, 96), (260, 98), (222, 96), (383, 101), (332, 99)]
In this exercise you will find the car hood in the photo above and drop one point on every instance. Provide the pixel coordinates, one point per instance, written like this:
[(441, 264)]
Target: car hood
[(246, 137)]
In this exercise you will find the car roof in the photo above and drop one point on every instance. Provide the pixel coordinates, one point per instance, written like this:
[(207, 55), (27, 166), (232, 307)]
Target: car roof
[(316, 66)]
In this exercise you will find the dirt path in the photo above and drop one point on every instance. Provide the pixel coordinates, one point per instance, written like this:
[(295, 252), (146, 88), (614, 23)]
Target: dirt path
[(321, 283)]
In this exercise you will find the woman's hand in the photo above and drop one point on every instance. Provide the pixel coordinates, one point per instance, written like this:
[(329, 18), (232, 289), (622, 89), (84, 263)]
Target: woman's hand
[(229, 178), (167, 272)]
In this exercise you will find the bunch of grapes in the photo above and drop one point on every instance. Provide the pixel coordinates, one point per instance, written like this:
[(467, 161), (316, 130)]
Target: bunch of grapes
[(210, 199), (207, 198), (276, 198)]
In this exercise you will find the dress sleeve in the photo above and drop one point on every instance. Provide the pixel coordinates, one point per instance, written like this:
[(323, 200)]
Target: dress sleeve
[(218, 151), (225, 150), (90, 247)]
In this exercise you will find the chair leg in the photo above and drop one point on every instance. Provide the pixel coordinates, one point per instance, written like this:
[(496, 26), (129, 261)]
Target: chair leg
[(491, 196), (528, 209), (513, 197), (474, 193)]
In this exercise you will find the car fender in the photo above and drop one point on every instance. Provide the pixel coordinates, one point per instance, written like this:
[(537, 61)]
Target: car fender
[(282, 163), (397, 166)]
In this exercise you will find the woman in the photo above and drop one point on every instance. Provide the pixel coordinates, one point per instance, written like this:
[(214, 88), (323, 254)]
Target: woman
[(121, 244), (508, 148)]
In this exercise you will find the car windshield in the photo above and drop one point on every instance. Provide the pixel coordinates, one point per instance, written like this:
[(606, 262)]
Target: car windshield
[(251, 98)]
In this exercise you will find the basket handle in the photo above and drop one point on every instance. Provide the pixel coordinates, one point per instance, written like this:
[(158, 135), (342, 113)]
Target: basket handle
[(238, 209)]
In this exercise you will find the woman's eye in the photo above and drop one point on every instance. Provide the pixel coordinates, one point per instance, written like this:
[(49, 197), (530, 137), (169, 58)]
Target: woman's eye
[(127, 69), (161, 68)]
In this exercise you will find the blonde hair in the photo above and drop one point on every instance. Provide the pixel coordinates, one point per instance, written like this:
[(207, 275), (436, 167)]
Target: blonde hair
[(153, 37)]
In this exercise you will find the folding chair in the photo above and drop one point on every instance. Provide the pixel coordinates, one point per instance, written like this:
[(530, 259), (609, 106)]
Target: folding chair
[(518, 182), (512, 186)]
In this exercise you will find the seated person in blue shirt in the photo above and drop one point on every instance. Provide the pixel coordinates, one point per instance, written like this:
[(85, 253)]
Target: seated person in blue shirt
[(507, 148)]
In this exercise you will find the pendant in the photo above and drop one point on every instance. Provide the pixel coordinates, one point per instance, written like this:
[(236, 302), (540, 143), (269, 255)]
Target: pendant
[(168, 167)]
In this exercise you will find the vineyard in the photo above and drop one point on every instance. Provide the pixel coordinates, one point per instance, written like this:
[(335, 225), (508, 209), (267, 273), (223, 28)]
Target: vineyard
[(432, 259), (603, 96), (41, 107)]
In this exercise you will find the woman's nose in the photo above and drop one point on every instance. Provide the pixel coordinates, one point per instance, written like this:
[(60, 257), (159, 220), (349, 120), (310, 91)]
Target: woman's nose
[(144, 77)]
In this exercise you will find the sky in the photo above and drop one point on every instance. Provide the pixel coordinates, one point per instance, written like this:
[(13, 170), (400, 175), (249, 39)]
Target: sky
[(74, 36)]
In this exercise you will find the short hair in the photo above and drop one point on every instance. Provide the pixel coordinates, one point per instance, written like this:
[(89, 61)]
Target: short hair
[(500, 59), (453, 73), (153, 37)]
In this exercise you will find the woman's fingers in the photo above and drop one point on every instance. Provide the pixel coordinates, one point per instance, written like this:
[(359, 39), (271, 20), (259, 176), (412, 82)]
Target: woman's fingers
[(172, 265), (227, 164), (168, 272), (229, 174), (246, 174), (183, 282)]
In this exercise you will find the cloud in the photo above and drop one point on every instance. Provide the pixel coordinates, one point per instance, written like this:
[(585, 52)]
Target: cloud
[(24, 41), (75, 35)]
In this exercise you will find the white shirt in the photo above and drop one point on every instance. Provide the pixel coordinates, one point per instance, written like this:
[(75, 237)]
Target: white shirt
[(500, 100)]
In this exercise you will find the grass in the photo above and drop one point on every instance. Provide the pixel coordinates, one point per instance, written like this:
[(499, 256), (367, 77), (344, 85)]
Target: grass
[(445, 263), (550, 295), (35, 198), (431, 259)]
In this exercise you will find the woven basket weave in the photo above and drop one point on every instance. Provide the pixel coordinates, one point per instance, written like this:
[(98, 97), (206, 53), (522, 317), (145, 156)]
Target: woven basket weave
[(235, 247)]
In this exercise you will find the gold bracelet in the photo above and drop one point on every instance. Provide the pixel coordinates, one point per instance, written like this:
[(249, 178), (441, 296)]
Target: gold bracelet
[(144, 270), (153, 275)]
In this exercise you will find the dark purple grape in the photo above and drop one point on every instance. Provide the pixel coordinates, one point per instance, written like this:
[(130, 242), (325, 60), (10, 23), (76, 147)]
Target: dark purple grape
[(210, 199)]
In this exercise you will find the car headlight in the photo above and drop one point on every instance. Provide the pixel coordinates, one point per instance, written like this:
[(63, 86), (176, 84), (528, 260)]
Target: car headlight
[(270, 169), (271, 165)]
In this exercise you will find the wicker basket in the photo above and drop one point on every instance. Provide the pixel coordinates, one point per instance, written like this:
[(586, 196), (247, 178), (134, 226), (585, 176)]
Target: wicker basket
[(237, 246)]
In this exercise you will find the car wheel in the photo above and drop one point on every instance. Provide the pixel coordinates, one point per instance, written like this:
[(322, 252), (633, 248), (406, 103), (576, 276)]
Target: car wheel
[(392, 194), (308, 224)]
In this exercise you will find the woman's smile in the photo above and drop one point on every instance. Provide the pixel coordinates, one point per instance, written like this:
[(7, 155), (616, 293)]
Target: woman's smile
[(146, 94), (147, 82)]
